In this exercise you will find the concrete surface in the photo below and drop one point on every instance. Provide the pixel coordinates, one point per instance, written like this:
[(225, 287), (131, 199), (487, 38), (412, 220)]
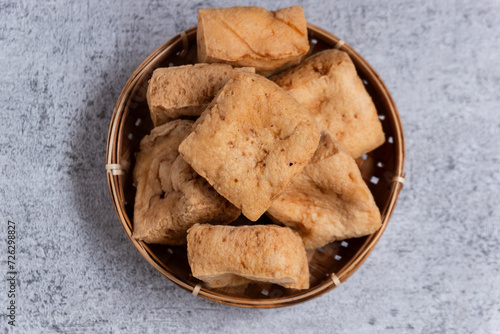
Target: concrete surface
[(436, 268)]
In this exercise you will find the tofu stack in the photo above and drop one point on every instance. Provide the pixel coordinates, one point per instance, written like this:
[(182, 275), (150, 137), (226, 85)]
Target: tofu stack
[(228, 140)]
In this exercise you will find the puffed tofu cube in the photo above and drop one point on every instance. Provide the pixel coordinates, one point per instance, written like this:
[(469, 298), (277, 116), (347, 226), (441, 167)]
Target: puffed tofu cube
[(251, 142), (328, 85), (329, 200), (185, 91), (270, 41)]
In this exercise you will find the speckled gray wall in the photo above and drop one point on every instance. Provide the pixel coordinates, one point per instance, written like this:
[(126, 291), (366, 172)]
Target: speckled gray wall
[(435, 269)]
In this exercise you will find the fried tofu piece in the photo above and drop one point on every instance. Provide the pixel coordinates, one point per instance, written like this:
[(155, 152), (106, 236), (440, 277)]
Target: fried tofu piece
[(329, 200), (171, 196), (251, 142), (234, 255), (328, 86), (252, 36), (185, 91)]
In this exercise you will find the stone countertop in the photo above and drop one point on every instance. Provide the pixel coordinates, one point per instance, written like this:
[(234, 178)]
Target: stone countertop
[(435, 269)]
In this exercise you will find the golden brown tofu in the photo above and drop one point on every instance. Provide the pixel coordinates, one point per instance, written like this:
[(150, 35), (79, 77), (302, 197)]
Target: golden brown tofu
[(252, 36), (251, 142), (233, 255), (329, 87), (171, 196), (185, 91), (329, 200)]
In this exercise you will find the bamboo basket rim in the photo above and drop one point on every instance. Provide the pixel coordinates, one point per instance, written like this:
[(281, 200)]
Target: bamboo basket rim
[(114, 180)]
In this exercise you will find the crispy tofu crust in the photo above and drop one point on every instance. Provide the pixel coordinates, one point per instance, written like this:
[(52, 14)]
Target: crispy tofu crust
[(171, 196), (252, 36), (329, 200), (234, 255), (251, 142), (328, 86), (185, 91)]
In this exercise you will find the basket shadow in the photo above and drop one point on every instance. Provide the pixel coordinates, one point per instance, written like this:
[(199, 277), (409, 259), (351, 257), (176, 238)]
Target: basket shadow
[(106, 242)]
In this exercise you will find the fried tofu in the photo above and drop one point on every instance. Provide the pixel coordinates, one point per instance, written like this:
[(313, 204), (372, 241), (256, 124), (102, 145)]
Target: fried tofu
[(328, 86), (224, 256), (329, 200), (252, 36), (185, 91), (251, 142), (171, 196)]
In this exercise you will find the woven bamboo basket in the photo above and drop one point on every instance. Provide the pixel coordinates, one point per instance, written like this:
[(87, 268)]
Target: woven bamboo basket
[(331, 265)]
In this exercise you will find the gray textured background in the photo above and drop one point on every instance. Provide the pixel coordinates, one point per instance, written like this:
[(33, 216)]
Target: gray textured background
[(436, 268)]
